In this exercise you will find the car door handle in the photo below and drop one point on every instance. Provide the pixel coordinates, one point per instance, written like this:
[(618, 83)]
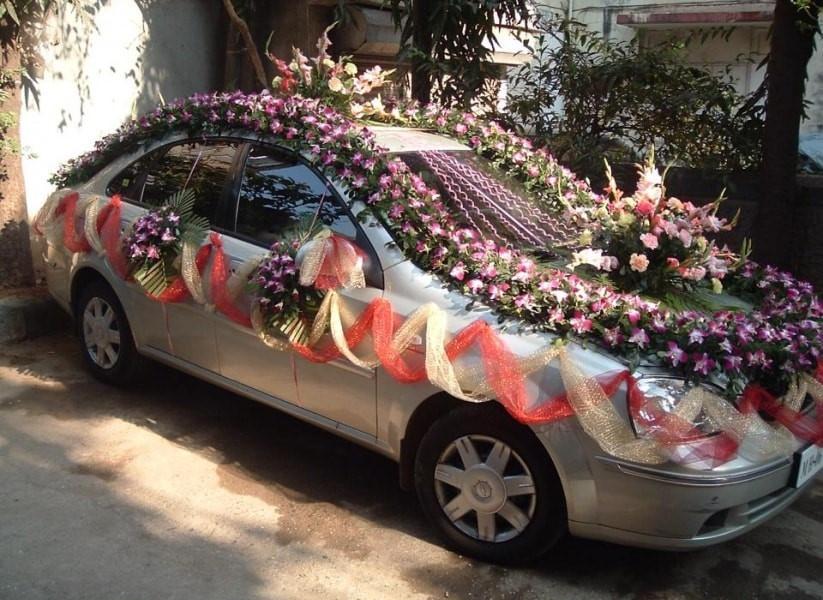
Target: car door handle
[(344, 364)]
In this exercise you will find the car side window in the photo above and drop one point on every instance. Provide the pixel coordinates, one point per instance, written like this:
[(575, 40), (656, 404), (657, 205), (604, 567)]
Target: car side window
[(129, 182), (281, 198), (201, 167)]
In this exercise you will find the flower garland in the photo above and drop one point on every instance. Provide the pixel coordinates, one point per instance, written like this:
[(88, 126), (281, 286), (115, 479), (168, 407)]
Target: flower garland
[(778, 339)]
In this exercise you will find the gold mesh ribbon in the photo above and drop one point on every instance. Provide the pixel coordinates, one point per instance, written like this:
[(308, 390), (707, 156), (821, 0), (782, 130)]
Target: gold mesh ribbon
[(46, 221), (758, 440), (329, 261), (599, 418), (93, 208), (191, 274), (258, 327)]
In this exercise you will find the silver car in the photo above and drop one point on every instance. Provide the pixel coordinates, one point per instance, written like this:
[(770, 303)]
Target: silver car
[(494, 488)]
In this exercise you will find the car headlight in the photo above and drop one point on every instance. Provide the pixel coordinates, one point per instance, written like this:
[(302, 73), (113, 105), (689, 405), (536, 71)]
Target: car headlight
[(665, 412), (662, 410)]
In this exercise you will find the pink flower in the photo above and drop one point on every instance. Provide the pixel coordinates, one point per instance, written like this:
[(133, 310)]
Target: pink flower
[(475, 285), (644, 208), (685, 237), (639, 262), (458, 272), (489, 271), (524, 301), (672, 262), (649, 240), (609, 263), (639, 337), (581, 324), (676, 356)]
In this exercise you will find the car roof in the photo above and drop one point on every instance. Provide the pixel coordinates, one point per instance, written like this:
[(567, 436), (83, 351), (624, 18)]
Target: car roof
[(406, 139)]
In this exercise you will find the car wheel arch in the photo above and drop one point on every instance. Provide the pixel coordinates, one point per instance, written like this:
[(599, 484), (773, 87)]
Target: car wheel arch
[(82, 278), (425, 415)]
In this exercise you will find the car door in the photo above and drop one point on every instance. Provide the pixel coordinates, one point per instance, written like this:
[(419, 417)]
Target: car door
[(206, 167), (281, 197)]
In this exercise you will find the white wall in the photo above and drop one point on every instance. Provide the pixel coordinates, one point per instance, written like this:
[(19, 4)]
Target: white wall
[(100, 70)]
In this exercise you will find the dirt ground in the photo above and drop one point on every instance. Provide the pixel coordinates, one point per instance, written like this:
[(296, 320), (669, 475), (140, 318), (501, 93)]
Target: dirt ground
[(176, 489)]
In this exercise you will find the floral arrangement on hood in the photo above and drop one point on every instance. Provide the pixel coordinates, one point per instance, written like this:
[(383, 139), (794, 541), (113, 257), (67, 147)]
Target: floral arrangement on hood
[(778, 338), (656, 245)]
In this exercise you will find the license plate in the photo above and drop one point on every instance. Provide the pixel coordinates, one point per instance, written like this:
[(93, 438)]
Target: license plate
[(807, 464)]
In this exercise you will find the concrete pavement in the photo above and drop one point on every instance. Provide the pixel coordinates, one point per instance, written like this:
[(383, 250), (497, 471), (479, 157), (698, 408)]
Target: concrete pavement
[(176, 489)]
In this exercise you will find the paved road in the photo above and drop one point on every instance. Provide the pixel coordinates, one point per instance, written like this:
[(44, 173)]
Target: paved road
[(176, 489)]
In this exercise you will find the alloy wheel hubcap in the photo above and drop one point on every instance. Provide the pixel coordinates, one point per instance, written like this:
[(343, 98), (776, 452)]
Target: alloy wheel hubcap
[(101, 333), (485, 488)]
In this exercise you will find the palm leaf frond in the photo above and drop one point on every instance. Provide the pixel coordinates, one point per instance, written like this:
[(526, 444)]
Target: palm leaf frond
[(152, 277), (182, 203)]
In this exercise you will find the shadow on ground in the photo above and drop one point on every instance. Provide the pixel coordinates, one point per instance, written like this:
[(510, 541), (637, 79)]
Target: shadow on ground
[(325, 489)]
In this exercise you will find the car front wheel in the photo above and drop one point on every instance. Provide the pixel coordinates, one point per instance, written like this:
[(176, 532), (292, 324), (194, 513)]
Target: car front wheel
[(105, 336), (489, 486)]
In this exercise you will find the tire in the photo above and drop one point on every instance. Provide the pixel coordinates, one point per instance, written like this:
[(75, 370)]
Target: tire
[(446, 449), (99, 315)]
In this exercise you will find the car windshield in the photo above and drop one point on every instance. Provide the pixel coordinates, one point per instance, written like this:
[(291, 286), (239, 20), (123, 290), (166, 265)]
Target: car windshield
[(483, 198)]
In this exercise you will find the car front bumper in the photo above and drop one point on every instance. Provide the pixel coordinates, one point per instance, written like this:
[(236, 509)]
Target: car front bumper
[(668, 509)]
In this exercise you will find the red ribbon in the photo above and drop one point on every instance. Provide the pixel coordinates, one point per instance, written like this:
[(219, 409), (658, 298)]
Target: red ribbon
[(809, 428), (219, 278), (73, 240)]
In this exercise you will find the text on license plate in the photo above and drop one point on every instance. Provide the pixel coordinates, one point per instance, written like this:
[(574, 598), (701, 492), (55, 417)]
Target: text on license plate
[(807, 464)]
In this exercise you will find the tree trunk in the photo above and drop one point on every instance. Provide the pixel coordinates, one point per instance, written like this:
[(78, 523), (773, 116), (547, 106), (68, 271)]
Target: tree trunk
[(15, 251), (792, 44), (423, 43)]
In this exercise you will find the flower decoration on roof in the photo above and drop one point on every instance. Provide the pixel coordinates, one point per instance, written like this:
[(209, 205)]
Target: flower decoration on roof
[(337, 83)]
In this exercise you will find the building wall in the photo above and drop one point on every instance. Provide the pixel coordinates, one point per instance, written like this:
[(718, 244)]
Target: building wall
[(100, 70), (748, 41)]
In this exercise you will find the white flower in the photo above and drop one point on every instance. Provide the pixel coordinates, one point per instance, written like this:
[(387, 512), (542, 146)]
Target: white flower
[(650, 184), (335, 84), (587, 256), (350, 68)]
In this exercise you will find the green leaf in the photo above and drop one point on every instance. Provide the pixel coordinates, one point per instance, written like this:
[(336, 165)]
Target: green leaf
[(152, 277), (182, 203), (9, 6)]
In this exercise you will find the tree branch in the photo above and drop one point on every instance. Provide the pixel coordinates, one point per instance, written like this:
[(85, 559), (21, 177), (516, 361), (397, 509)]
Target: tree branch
[(248, 40)]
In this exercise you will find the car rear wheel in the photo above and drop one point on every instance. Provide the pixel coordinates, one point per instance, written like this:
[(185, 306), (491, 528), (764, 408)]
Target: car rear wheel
[(105, 336), (489, 486)]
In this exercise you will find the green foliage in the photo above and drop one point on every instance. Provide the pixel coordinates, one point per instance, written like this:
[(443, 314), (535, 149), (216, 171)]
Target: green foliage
[(588, 98), (448, 42), (194, 226)]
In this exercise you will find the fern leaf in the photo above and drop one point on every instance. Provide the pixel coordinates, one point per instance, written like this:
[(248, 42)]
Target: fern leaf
[(182, 203)]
